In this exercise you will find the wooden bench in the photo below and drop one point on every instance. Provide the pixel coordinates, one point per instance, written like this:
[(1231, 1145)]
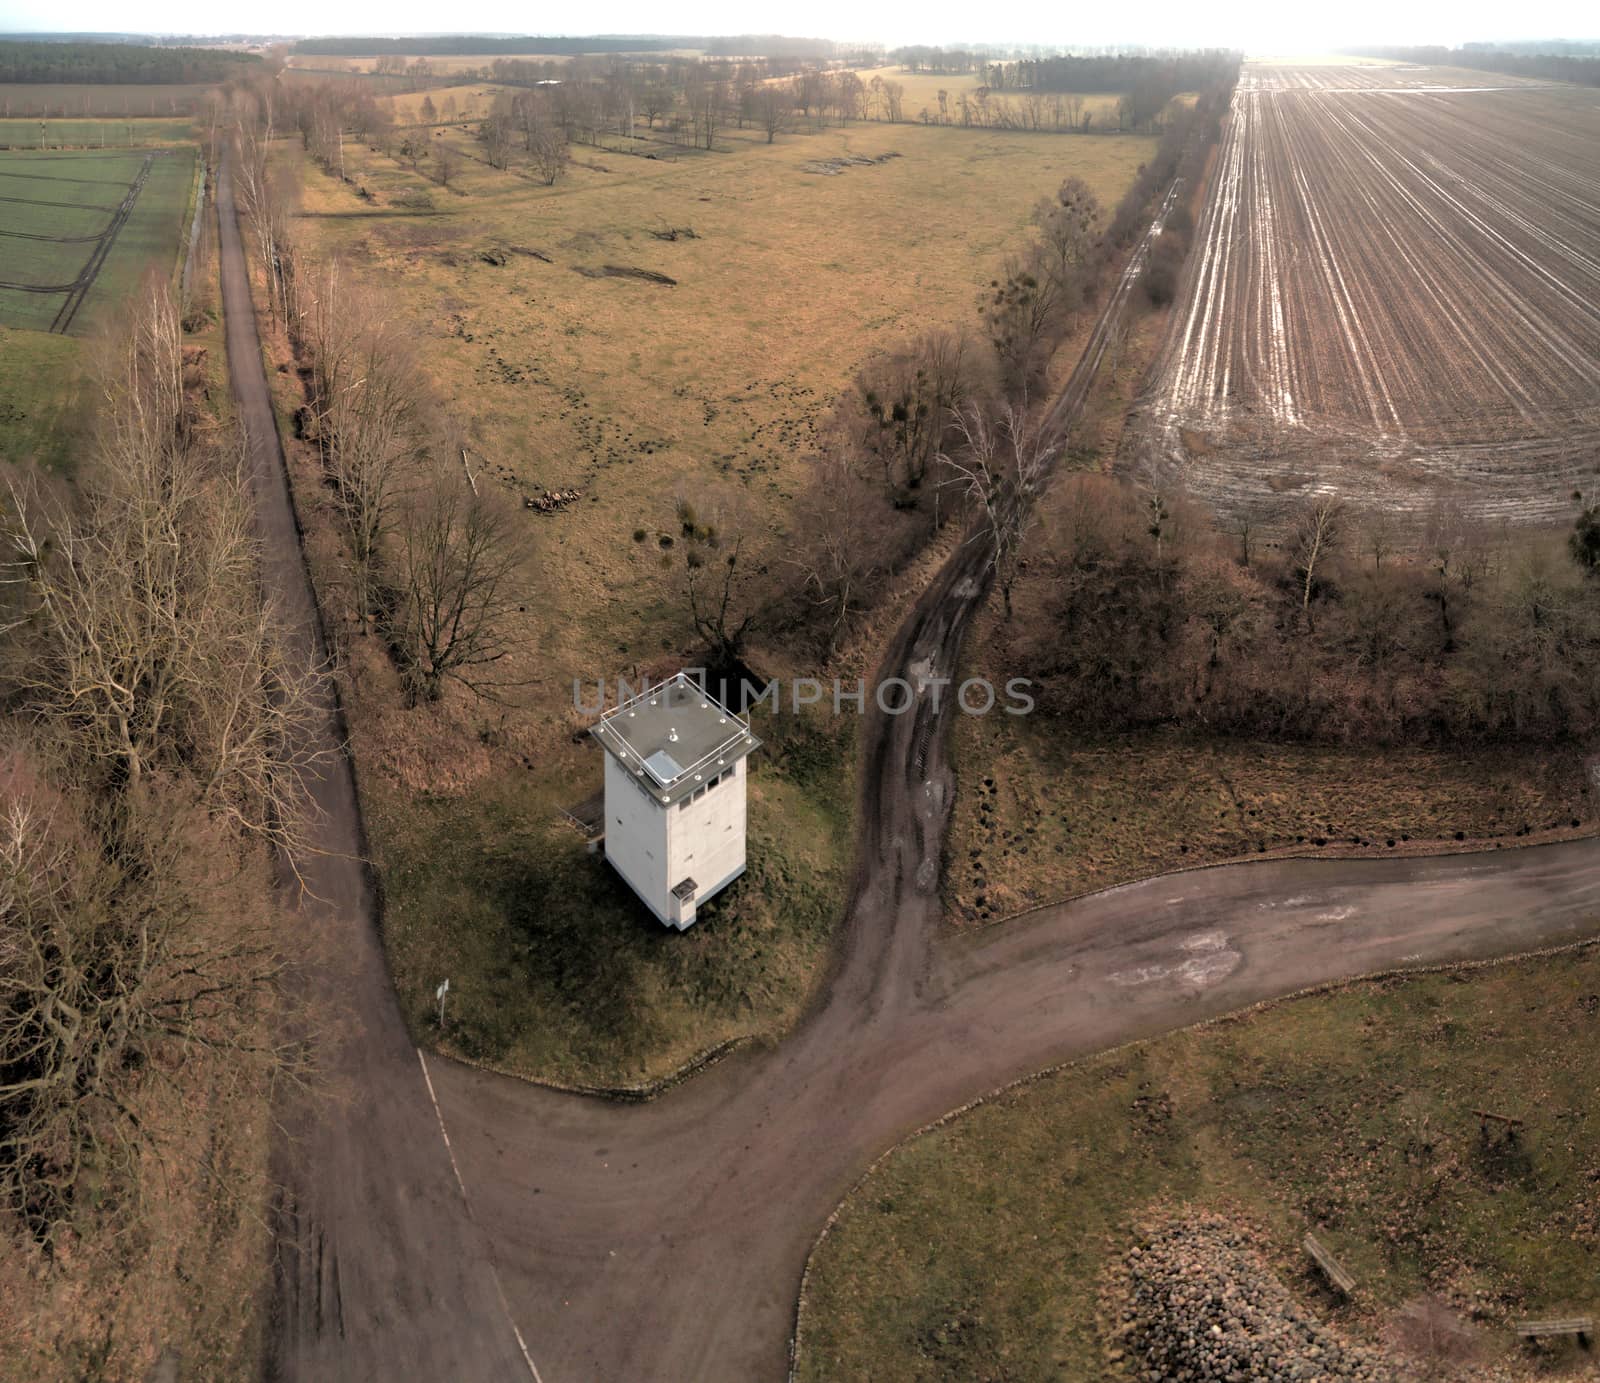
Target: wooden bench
[(1332, 1268), (1581, 1326)]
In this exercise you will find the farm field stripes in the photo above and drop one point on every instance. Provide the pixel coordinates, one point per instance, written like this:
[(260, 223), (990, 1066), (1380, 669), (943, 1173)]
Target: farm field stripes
[(56, 249), (85, 280), (1396, 295)]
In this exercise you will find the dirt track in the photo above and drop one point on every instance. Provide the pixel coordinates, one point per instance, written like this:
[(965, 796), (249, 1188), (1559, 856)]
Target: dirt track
[(379, 1274), (1394, 293), (666, 1241)]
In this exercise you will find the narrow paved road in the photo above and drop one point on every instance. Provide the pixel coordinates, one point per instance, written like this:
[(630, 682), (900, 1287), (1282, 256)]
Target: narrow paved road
[(666, 1241)]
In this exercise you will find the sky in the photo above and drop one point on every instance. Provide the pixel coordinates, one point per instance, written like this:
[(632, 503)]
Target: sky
[(1257, 26)]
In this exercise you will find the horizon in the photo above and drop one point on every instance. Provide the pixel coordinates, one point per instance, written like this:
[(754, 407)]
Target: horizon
[(1254, 28)]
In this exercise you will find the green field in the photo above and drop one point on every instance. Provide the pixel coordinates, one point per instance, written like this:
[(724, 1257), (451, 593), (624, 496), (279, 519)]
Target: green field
[(41, 412), (92, 133), (55, 207)]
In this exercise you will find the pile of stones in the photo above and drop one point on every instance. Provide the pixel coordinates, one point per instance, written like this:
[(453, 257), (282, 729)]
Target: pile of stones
[(1194, 1301)]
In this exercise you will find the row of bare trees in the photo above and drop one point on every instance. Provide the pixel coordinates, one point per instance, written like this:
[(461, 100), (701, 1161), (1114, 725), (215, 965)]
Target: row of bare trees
[(433, 566), (161, 717)]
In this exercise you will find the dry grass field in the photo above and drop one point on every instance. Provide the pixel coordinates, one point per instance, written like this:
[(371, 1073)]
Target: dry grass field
[(468, 101), (1043, 815), (1395, 292), (636, 393)]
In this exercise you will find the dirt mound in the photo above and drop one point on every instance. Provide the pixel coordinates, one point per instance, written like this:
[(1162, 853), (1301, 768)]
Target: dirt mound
[(832, 167), (624, 271)]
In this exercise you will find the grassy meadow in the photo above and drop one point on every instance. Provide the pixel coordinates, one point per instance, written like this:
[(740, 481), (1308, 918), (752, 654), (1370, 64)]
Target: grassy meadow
[(79, 133), (41, 404), (977, 1251), (636, 393)]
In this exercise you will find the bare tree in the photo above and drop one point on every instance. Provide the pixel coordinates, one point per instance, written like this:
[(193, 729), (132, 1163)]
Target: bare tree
[(268, 199), (547, 149), (842, 543), (114, 974), (720, 588), (907, 402), (707, 100), (371, 417), (495, 132), (1000, 468), (1068, 233), (461, 581), (1318, 530), (446, 162), (773, 108)]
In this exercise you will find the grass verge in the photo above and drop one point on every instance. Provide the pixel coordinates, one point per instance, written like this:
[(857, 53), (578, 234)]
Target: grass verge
[(1043, 815)]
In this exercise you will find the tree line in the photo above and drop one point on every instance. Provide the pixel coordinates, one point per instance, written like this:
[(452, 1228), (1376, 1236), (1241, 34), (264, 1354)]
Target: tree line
[(118, 63), (1141, 611), (159, 719), (469, 45), (1116, 72), (434, 568), (1577, 68)]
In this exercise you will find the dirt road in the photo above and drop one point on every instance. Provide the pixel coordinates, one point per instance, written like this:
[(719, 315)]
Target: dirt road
[(380, 1274), (666, 1241)]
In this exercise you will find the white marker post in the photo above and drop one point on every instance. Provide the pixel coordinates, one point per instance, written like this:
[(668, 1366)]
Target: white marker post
[(439, 994)]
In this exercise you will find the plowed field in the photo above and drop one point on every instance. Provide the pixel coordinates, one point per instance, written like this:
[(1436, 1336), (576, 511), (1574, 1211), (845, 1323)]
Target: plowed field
[(1394, 293)]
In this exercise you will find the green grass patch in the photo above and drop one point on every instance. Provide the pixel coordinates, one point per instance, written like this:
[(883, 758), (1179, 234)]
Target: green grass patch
[(41, 400), (557, 970), (976, 1251), (149, 241), (93, 134)]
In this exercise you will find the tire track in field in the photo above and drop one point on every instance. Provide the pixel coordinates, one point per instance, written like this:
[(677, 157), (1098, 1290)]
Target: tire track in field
[(91, 271), (75, 206)]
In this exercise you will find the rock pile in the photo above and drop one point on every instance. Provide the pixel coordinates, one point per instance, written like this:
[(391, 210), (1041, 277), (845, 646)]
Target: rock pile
[(1197, 1303), (551, 501)]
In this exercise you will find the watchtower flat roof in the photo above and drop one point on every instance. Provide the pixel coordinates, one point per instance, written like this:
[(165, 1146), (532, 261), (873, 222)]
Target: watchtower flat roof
[(674, 738)]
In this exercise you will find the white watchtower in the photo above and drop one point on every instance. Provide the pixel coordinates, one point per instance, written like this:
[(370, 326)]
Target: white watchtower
[(675, 796)]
